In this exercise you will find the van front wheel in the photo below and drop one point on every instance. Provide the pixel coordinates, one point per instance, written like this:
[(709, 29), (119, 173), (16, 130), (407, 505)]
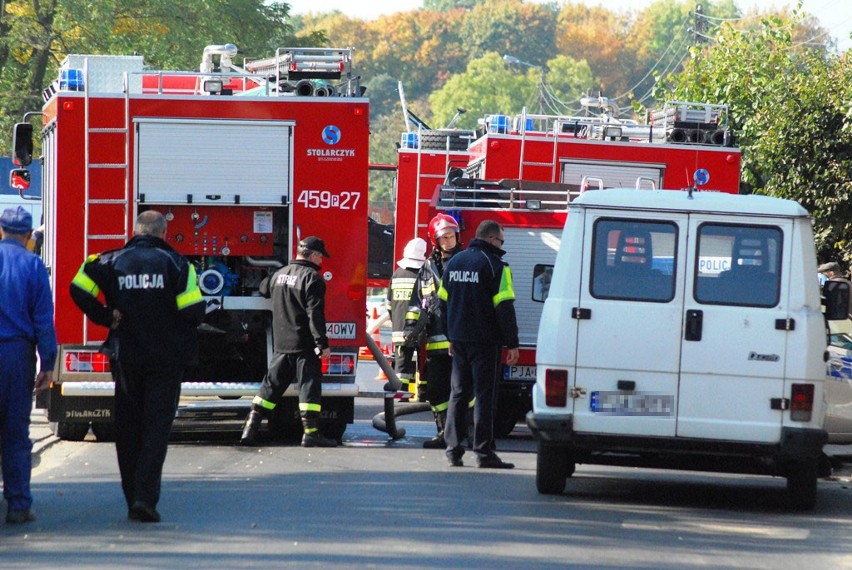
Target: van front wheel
[(802, 485), (552, 469)]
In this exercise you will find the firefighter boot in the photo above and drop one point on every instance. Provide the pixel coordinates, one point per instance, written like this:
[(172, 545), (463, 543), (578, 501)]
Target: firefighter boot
[(313, 437), (251, 426), (438, 442)]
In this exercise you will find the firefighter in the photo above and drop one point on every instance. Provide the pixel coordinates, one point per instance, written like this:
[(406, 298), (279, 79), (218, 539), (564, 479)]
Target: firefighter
[(398, 301), (297, 291), (423, 323), (480, 316), (153, 308)]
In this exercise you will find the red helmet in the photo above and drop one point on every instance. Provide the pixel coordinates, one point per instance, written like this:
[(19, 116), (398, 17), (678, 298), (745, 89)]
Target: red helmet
[(440, 225)]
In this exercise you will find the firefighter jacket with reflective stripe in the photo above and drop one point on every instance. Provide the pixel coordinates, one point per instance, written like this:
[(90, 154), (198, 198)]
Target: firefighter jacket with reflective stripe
[(155, 289), (298, 307), (480, 300), (399, 297), (425, 305)]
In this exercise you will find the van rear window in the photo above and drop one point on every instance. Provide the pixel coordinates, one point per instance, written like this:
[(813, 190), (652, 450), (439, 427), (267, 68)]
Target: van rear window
[(634, 260), (738, 265)]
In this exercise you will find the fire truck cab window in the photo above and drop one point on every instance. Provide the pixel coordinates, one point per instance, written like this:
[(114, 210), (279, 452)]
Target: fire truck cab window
[(634, 260), (738, 265)]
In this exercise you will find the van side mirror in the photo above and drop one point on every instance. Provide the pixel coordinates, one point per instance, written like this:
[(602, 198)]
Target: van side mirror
[(542, 274), (835, 296), (22, 143)]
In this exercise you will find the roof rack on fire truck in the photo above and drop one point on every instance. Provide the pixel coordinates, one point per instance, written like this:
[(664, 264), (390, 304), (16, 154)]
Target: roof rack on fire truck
[(295, 68)]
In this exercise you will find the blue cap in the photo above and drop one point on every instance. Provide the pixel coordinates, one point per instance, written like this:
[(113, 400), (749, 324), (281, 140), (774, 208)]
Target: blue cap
[(16, 220)]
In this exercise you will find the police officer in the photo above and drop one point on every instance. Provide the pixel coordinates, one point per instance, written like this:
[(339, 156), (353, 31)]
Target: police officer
[(26, 323), (424, 315), (297, 291), (398, 301), (153, 308), (480, 313)]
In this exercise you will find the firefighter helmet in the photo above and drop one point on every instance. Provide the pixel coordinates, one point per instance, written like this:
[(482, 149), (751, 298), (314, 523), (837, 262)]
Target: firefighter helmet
[(440, 225)]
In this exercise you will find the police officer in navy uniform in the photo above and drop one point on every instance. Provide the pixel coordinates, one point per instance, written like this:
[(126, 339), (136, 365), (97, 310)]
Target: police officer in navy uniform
[(26, 325), (480, 312), (153, 308), (297, 291)]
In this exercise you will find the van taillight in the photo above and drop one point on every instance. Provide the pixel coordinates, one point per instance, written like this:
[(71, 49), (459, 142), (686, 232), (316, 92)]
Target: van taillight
[(556, 388), (802, 402)]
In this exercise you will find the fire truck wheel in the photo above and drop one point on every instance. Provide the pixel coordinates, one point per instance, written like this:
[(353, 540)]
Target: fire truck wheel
[(438, 139), (71, 431), (334, 430), (104, 431), (284, 428), (552, 469)]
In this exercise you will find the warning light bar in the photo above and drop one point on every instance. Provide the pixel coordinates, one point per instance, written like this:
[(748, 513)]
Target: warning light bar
[(86, 361)]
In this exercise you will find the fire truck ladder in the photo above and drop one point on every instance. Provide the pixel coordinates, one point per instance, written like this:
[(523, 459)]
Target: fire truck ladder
[(107, 204), (522, 127)]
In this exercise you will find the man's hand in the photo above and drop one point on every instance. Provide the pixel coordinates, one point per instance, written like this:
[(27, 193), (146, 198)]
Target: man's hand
[(43, 380), (511, 356), (325, 354), (116, 318)]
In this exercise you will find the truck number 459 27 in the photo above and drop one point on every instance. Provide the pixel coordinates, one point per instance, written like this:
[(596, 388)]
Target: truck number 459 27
[(324, 199)]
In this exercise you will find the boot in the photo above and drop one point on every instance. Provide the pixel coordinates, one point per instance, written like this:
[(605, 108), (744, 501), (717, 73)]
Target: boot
[(438, 442), (251, 426), (313, 437)]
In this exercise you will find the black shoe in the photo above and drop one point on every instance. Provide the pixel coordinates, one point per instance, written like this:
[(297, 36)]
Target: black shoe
[(250, 428), (143, 513), (436, 442), (18, 517), (494, 462), (455, 461), (316, 439)]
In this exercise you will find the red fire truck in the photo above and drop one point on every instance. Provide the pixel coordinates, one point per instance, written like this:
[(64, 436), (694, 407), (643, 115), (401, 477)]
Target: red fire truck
[(523, 171), (243, 162)]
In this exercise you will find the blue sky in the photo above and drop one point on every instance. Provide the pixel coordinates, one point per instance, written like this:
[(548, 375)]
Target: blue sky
[(836, 15)]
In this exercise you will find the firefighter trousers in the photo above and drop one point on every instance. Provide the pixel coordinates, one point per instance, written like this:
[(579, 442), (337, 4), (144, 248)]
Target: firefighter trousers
[(306, 369), (405, 367), (17, 378), (435, 380), (475, 368), (146, 399)]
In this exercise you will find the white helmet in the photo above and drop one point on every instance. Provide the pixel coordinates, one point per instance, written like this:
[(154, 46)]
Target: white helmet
[(414, 254)]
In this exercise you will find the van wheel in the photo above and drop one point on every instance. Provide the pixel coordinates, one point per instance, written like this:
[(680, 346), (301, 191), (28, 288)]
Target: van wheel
[(552, 469), (104, 431), (71, 431), (802, 485), (334, 430)]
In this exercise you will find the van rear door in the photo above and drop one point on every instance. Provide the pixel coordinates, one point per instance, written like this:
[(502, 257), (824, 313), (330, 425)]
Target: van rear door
[(629, 323), (734, 341)]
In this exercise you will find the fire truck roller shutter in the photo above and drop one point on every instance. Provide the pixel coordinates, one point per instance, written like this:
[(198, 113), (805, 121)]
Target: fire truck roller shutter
[(192, 149), (437, 139)]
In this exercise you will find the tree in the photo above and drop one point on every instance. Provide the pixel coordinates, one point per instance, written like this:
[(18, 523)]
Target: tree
[(447, 5), (170, 34), (524, 30), (792, 115)]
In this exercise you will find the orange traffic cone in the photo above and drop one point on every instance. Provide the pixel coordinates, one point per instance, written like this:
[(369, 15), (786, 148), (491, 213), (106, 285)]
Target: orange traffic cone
[(381, 376)]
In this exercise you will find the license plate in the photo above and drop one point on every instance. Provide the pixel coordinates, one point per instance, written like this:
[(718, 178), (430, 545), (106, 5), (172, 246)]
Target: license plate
[(519, 373), (633, 404)]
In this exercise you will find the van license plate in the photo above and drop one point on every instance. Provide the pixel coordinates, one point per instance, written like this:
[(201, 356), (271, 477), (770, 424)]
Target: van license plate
[(633, 404), (519, 373)]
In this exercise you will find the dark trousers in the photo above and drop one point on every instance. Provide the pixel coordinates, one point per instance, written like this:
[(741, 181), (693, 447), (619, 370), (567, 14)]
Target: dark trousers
[(406, 368), (146, 399), (475, 368), (437, 370), (17, 379), (303, 367)]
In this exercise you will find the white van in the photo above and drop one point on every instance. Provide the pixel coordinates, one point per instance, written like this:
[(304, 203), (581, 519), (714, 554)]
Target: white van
[(684, 330)]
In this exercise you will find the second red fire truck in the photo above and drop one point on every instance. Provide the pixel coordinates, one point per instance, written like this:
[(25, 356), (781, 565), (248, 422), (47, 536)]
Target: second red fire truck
[(524, 170)]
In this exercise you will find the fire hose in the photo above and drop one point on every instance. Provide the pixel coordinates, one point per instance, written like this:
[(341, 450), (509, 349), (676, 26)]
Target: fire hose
[(386, 421)]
